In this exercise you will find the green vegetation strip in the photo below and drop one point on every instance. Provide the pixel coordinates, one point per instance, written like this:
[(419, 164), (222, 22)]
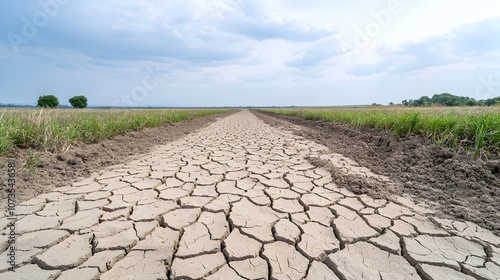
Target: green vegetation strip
[(476, 130), (57, 129)]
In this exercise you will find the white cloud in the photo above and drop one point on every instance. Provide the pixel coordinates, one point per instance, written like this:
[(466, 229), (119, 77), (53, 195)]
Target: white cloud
[(467, 44)]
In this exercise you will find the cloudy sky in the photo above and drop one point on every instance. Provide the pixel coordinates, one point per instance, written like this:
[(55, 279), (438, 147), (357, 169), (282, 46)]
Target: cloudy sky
[(247, 52)]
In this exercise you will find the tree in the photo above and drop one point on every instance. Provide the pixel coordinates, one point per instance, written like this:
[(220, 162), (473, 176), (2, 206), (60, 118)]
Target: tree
[(425, 101), (490, 102), (471, 102), (443, 99), (78, 101), (48, 101)]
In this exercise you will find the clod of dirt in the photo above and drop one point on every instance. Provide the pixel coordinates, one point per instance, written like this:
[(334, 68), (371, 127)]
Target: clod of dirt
[(75, 161), (61, 158), (494, 167)]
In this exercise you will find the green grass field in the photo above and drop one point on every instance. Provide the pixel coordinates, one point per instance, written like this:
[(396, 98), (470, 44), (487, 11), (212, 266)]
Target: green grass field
[(474, 129), (56, 130)]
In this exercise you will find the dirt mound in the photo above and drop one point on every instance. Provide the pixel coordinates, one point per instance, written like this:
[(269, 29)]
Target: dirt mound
[(56, 170), (454, 183)]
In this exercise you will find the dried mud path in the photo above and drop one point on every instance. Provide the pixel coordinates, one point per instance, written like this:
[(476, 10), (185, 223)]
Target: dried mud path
[(238, 200)]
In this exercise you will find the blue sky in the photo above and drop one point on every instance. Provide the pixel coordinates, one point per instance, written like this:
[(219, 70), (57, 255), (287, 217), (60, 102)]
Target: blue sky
[(247, 52)]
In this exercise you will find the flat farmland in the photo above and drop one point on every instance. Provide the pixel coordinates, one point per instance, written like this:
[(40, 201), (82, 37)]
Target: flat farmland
[(263, 173), (252, 194), (476, 130), (56, 130)]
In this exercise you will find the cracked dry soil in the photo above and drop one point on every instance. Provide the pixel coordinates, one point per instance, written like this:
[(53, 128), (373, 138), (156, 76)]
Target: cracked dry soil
[(240, 199)]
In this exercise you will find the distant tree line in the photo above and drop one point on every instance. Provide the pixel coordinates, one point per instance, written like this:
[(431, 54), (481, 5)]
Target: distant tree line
[(447, 99), (15, 105)]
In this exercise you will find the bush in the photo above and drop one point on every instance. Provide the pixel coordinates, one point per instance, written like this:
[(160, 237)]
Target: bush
[(78, 101), (48, 101)]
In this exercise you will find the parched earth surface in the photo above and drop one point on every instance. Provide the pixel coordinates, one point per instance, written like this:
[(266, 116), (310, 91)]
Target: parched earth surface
[(239, 199)]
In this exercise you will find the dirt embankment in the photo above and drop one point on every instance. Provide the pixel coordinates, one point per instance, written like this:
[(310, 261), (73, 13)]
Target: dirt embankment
[(56, 170), (455, 184)]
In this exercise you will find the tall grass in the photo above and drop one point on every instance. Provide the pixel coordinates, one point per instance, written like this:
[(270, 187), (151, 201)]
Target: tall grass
[(57, 129), (474, 129)]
